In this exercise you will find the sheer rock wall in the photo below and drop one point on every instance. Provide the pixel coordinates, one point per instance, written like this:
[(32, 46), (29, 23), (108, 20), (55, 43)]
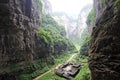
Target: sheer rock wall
[(18, 24), (104, 52)]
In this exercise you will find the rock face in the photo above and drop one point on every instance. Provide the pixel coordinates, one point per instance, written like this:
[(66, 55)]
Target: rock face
[(81, 24), (47, 7), (90, 21), (104, 52), (67, 21), (18, 23)]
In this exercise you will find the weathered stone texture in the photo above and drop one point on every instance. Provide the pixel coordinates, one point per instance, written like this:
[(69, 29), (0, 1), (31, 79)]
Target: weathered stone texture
[(104, 52), (17, 31)]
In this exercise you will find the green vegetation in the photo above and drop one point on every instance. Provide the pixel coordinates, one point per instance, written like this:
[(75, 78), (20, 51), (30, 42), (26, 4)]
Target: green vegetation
[(39, 4), (51, 76), (53, 44), (90, 18), (47, 20), (102, 1), (25, 77), (84, 48), (39, 68), (53, 48), (53, 40), (14, 67), (52, 36), (59, 60), (117, 2), (84, 73), (84, 35)]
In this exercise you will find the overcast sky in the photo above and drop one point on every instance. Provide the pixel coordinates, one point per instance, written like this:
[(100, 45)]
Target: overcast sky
[(71, 7)]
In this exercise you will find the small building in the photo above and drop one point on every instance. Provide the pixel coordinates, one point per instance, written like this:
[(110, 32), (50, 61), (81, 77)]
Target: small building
[(68, 70)]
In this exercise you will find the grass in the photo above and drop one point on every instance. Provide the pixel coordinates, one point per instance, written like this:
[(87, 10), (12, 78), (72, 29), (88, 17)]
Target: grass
[(84, 73), (77, 46), (51, 76), (62, 58), (57, 61), (39, 71)]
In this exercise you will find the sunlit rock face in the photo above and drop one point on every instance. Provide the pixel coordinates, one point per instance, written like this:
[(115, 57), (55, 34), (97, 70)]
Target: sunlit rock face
[(67, 21), (90, 21), (73, 27), (81, 24), (104, 52), (18, 23), (47, 7)]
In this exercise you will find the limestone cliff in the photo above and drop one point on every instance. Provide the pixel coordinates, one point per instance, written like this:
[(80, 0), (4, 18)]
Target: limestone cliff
[(80, 32), (18, 24), (47, 7), (104, 52), (81, 24), (90, 21), (67, 21), (29, 38)]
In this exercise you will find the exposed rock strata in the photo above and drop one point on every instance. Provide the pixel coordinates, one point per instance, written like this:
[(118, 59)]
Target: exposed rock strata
[(18, 23), (104, 52)]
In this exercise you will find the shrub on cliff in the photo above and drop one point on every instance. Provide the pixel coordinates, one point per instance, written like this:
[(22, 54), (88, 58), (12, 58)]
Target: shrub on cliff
[(51, 38), (84, 48), (90, 18), (48, 20)]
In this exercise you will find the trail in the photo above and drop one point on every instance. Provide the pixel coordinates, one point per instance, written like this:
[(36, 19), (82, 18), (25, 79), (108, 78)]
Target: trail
[(71, 57)]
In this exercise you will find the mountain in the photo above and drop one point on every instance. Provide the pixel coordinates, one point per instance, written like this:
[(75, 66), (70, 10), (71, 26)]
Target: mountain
[(66, 20), (80, 31)]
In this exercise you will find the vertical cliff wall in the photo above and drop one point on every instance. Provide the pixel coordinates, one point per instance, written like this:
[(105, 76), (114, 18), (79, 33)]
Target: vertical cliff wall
[(47, 7), (18, 23), (90, 21), (104, 52), (82, 18)]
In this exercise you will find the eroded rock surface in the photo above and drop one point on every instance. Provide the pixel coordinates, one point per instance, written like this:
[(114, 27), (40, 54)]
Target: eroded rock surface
[(104, 52), (18, 25)]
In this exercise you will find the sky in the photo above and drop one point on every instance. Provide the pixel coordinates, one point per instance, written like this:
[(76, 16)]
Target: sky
[(71, 7)]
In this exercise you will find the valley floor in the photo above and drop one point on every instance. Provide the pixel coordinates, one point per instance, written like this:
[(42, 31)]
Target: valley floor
[(51, 70), (49, 75)]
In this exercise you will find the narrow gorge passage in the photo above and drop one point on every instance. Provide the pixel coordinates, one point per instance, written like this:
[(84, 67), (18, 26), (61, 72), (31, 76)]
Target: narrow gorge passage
[(38, 35)]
